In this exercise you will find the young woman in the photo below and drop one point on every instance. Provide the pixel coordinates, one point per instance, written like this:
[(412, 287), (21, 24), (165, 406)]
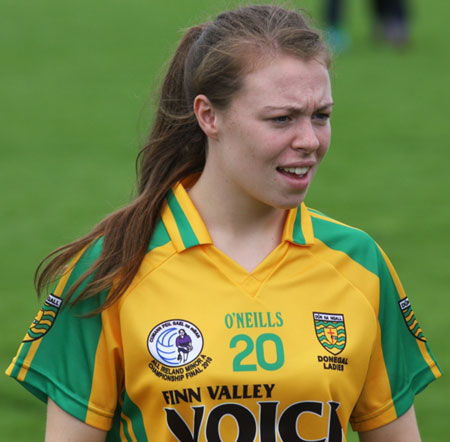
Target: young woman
[(217, 306)]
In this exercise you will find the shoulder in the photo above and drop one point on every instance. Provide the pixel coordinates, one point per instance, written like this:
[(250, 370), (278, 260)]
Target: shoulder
[(78, 274), (357, 244), (88, 256), (331, 230), (160, 250)]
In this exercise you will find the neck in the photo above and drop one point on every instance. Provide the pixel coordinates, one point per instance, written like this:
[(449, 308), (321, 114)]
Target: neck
[(244, 229), (234, 212)]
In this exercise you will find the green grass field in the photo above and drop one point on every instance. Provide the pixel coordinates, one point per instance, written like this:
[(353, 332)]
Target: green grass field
[(76, 91)]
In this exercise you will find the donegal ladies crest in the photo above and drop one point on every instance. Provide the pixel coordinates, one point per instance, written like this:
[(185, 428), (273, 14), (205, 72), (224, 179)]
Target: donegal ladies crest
[(330, 331), (45, 318)]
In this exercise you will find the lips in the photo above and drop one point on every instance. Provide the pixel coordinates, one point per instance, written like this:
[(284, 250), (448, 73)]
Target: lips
[(297, 171)]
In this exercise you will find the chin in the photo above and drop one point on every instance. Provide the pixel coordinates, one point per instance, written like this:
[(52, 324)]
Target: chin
[(287, 205)]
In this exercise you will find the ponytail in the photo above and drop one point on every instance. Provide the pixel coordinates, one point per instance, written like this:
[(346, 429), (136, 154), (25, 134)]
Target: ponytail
[(175, 150)]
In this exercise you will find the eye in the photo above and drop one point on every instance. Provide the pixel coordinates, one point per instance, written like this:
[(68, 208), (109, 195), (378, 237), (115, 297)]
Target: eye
[(281, 119), (322, 116)]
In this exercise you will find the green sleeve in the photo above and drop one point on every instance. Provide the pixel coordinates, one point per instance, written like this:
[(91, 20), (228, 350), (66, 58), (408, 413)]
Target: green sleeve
[(57, 357)]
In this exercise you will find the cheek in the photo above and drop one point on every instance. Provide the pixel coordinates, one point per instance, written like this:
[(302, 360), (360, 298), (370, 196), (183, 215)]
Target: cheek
[(322, 151), (324, 139)]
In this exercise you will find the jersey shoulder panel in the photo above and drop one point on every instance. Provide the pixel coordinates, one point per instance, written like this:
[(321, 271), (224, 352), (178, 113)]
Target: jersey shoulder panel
[(355, 243)]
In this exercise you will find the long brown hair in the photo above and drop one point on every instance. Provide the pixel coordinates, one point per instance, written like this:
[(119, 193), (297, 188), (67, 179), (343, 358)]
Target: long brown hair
[(210, 59)]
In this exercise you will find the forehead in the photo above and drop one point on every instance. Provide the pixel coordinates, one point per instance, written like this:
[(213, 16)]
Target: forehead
[(286, 80)]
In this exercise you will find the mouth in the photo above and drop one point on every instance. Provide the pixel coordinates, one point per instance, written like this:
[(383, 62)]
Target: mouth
[(298, 172)]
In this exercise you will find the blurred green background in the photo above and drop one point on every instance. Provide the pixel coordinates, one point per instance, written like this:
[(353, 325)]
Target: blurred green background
[(76, 84)]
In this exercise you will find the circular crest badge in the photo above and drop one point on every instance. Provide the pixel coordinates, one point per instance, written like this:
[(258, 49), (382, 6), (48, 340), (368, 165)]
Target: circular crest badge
[(175, 342)]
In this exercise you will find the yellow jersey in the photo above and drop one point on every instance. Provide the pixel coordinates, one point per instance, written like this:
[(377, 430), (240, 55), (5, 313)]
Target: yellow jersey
[(320, 334)]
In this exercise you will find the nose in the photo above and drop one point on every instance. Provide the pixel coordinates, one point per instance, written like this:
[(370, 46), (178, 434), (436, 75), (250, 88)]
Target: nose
[(305, 136)]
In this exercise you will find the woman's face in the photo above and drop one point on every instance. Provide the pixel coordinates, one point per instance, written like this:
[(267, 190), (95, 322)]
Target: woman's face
[(273, 136)]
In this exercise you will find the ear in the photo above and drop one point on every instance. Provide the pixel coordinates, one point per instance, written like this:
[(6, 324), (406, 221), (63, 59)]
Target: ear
[(206, 115)]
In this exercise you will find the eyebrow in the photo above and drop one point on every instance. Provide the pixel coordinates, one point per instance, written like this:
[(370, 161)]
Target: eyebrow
[(296, 109)]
